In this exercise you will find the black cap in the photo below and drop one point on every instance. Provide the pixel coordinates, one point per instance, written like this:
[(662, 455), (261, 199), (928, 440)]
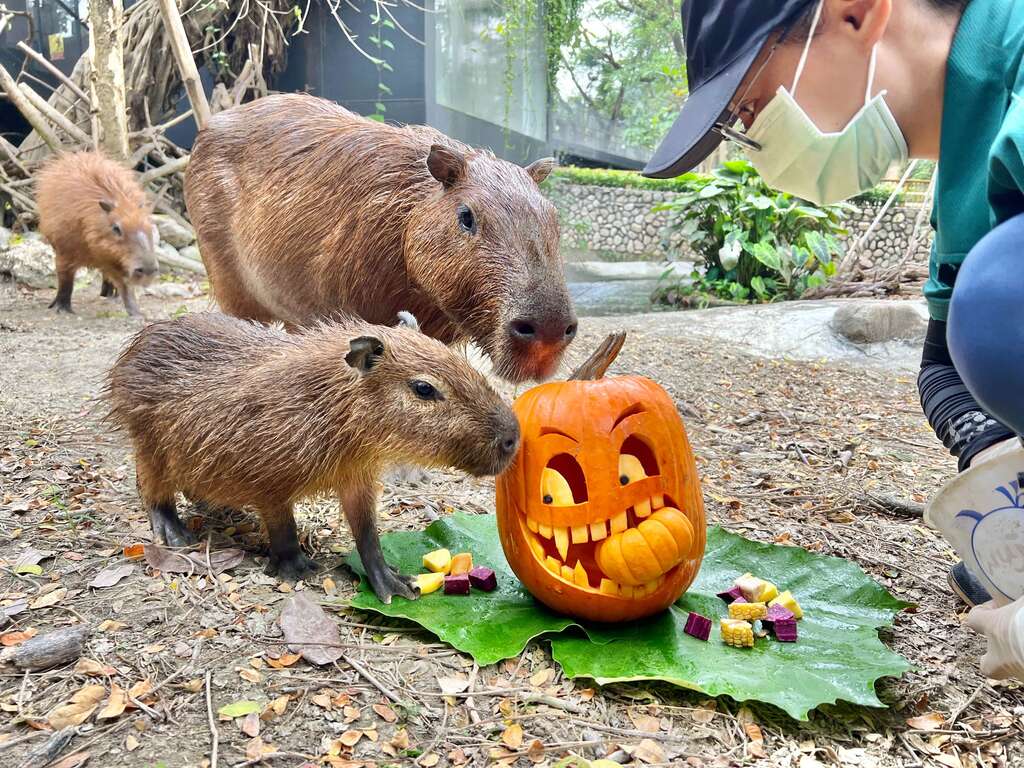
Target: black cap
[(723, 37)]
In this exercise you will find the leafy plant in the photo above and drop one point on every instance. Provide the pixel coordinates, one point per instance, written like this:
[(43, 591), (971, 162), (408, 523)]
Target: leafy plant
[(757, 244), (839, 654), (604, 177)]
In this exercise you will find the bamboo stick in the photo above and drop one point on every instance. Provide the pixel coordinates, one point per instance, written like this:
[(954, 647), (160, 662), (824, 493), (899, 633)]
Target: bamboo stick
[(173, 166), (55, 117), (186, 62), (31, 113), (45, 64)]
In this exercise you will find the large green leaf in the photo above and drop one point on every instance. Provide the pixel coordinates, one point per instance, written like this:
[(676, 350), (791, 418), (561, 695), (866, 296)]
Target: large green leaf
[(489, 626), (838, 656)]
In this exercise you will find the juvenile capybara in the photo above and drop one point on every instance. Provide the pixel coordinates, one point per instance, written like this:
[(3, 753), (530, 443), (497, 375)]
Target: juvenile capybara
[(94, 213), (302, 209), (234, 413)]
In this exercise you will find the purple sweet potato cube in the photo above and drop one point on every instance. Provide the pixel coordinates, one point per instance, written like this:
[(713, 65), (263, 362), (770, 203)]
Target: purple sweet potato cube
[(777, 612), (731, 595), (483, 578), (456, 585), (698, 626), (784, 630)]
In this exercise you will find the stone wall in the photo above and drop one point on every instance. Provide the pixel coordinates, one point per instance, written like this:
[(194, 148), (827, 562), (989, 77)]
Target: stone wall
[(619, 223)]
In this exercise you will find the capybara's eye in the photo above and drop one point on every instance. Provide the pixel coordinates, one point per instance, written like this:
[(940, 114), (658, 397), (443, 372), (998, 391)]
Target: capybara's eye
[(116, 229), (466, 219), (424, 390)]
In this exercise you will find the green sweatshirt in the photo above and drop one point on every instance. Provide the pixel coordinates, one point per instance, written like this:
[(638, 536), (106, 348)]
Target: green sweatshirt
[(981, 157)]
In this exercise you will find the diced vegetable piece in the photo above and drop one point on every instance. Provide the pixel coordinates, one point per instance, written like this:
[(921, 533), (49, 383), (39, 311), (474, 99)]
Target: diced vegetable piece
[(731, 594), (747, 611), (756, 590), (461, 563), (784, 630), (737, 632), (483, 578), (698, 626), (429, 582), (438, 561), (457, 584), (777, 612), (786, 600)]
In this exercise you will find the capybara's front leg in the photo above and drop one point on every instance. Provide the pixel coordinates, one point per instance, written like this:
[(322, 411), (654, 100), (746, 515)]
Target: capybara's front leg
[(287, 560), (107, 289), (128, 297), (65, 285), (358, 501)]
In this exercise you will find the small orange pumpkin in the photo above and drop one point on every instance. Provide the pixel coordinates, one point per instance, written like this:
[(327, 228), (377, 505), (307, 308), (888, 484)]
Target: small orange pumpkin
[(601, 515)]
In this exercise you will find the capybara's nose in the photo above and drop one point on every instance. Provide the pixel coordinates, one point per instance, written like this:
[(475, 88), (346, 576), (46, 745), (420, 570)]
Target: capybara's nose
[(508, 438), (558, 328)]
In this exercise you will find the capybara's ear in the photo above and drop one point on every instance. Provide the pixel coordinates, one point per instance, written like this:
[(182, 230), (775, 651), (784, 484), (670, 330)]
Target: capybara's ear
[(106, 205), (364, 352), (408, 320), (446, 165), (541, 169)]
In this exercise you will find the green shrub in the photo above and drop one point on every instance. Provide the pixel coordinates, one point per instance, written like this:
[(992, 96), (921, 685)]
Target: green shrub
[(757, 244), (604, 177)]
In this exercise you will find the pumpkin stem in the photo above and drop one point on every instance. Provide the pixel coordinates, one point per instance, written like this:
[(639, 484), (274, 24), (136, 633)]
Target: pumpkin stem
[(594, 367)]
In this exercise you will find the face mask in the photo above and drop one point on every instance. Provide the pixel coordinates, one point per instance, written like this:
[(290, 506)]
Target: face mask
[(825, 168)]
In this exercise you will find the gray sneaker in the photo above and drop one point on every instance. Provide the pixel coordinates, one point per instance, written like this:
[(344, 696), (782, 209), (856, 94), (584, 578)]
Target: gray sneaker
[(966, 587)]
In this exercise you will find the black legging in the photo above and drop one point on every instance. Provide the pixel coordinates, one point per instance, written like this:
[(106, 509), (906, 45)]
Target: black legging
[(959, 422)]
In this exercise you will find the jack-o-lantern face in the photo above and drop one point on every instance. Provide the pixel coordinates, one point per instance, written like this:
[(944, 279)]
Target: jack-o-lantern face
[(601, 514)]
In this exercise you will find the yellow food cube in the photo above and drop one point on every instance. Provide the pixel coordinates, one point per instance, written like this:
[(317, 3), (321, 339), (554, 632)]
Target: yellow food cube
[(737, 632), (786, 600), (429, 582), (461, 563), (747, 611), (438, 561)]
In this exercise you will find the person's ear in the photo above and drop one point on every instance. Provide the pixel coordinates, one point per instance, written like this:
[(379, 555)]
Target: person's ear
[(865, 20)]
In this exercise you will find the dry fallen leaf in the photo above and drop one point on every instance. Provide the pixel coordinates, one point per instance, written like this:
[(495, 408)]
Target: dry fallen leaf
[(451, 685), (351, 714), (385, 712), (93, 668), (279, 704), (131, 743), (109, 625), (309, 630), (110, 576), (72, 761), (512, 736), (134, 552), (257, 749), (80, 706), (650, 751), (165, 560), (928, 722), (429, 760), (49, 599), (330, 587), (250, 674), (400, 740), (536, 753), (351, 738), (645, 722), (285, 660), (115, 704), (251, 725), (31, 556), (540, 678), (14, 638), (140, 690)]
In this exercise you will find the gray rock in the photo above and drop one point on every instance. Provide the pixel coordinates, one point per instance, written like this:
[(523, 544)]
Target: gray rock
[(28, 261), (868, 322), (172, 232), (190, 252)]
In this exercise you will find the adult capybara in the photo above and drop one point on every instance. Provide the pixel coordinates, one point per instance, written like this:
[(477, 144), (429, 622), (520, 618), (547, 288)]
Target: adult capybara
[(303, 208), (234, 413), (94, 213)]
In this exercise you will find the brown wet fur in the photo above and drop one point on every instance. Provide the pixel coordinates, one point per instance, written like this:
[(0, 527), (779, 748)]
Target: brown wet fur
[(95, 214), (233, 413), (302, 208)]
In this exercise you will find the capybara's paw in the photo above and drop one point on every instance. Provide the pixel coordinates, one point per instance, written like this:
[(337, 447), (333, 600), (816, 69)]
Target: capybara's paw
[(390, 582), (61, 307), (171, 531), (295, 567)]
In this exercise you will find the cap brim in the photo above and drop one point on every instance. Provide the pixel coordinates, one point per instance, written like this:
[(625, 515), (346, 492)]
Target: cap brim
[(691, 138)]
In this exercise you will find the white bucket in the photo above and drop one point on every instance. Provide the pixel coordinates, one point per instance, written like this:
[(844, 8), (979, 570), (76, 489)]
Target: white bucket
[(981, 513)]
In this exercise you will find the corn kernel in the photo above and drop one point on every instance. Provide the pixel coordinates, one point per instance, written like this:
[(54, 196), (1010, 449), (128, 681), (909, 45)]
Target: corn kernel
[(737, 633), (747, 611)]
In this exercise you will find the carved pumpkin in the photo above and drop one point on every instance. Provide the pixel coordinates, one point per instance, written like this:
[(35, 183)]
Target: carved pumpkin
[(601, 515)]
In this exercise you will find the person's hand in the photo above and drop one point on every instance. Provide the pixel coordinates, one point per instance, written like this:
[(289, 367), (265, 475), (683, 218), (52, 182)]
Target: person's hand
[(1004, 629)]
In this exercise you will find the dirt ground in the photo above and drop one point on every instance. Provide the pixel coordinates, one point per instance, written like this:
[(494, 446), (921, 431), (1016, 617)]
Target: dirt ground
[(790, 452)]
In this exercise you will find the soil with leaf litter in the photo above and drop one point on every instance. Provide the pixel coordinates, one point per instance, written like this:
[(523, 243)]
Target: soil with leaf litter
[(833, 458)]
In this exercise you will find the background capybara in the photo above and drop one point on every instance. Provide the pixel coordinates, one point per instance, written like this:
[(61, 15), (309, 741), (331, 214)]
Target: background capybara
[(234, 413), (303, 208), (94, 213)]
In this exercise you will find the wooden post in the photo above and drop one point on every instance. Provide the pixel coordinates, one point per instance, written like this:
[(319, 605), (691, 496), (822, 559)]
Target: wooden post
[(186, 62), (106, 19)]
